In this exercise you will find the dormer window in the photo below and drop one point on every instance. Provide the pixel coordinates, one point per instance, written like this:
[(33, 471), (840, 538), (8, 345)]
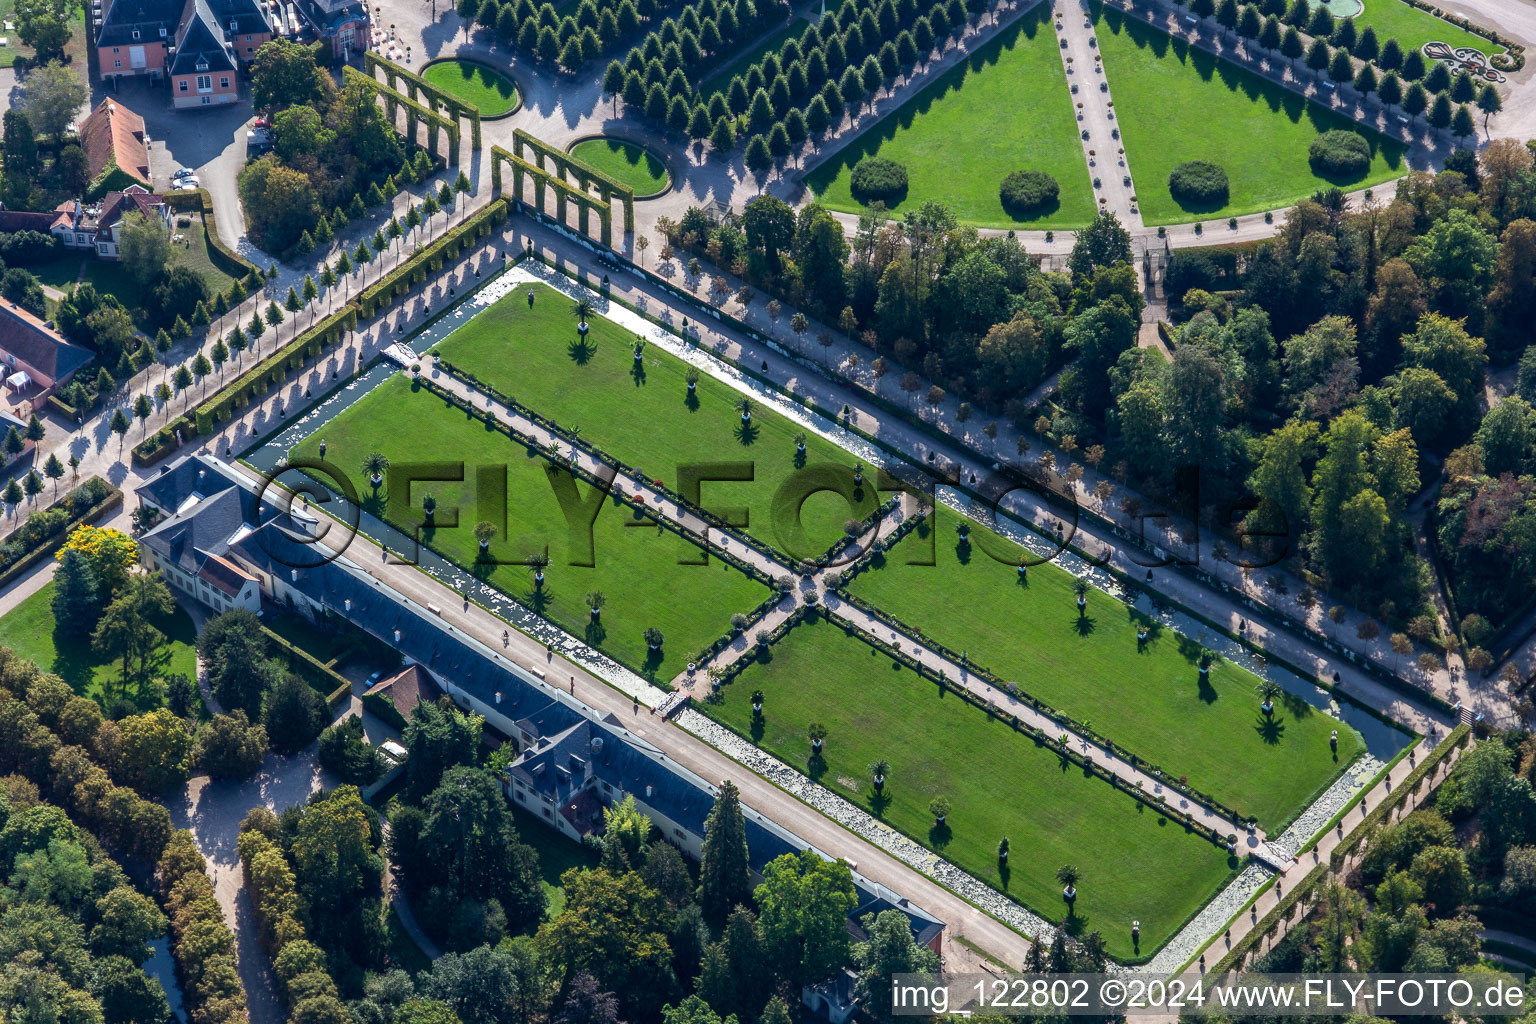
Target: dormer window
[(234, 25), (135, 33), (202, 65), (162, 31)]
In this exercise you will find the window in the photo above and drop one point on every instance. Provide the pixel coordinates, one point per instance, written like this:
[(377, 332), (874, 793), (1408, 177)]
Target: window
[(181, 86), (162, 31), (135, 33), (117, 63), (223, 81), (116, 49), (205, 101), (204, 83)]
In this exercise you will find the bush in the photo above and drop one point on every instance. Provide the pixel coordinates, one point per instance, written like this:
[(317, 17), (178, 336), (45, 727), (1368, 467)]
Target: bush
[(879, 179), (1198, 181), (1027, 191), (1339, 153)]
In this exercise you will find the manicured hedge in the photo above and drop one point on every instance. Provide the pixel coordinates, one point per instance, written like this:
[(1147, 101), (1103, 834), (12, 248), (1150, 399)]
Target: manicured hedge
[(320, 677), (220, 255), (1201, 182), (45, 531), (1024, 192), (163, 442), (878, 179), (1339, 153), (430, 260), (255, 383)]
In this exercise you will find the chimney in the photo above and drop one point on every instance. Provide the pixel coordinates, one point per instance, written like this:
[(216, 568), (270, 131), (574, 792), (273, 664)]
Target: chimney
[(347, 604), (293, 574), (498, 696), (648, 790), (397, 636)]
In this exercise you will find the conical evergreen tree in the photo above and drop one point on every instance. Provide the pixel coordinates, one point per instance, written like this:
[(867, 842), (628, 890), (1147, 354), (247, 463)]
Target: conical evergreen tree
[(724, 879)]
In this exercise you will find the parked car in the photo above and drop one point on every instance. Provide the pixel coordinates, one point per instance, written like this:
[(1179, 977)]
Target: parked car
[(256, 141), (261, 122), (188, 185), (185, 172)]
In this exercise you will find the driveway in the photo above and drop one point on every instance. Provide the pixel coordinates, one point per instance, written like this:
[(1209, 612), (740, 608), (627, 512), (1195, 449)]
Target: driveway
[(211, 141)]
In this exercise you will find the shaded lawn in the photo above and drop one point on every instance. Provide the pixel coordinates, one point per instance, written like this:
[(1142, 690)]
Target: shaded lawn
[(642, 570), (1005, 109), (720, 79), (1135, 864), (557, 854), (1175, 103), (626, 163), (645, 419), (195, 255), (1150, 701), (29, 630), (402, 950), (1413, 28), (490, 90)]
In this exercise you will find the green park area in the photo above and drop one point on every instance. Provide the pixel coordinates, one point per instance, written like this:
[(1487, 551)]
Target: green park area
[(488, 89), (639, 568), (1147, 696), (30, 631), (625, 162), (1134, 864), (1411, 27), (1175, 104), (642, 413), (1005, 109)]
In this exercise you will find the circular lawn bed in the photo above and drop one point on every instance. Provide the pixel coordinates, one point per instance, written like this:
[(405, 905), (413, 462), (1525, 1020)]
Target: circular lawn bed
[(490, 90), (626, 162)]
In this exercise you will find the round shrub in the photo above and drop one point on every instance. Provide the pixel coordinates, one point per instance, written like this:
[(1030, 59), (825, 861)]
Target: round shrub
[(879, 179), (1199, 182), (1339, 154), (1027, 191)]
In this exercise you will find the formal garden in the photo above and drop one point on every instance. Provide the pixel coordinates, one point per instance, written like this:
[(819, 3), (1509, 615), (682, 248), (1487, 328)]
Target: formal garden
[(1412, 27), (1176, 104), (628, 163), (955, 146), (993, 783), (1147, 695), (659, 414), (493, 92), (636, 565)]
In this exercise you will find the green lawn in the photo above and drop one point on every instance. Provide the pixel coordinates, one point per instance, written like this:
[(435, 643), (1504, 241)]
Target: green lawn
[(28, 629), (194, 254), (647, 419), (402, 951), (490, 90), (719, 80), (1005, 109), (1413, 28), (1151, 702), (1175, 104), (1135, 864), (626, 163), (638, 568), (557, 854)]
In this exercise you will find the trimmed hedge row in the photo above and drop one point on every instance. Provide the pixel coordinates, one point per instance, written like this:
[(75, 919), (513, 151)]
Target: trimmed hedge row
[(163, 442), (220, 255), (44, 532), (320, 676), (1285, 908), (414, 271), (255, 383)]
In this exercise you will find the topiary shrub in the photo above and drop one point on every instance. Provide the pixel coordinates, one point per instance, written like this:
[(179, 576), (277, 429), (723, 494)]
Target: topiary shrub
[(1024, 192), (879, 179), (1339, 154), (1199, 182)]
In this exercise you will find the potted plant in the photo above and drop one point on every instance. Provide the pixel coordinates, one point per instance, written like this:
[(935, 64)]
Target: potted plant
[(800, 442), (738, 623), (1067, 875), (1002, 851), (757, 703), (374, 464), (653, 638), (429, 507), (639, 349), (1269, 691), (537, 561), (879, 770), (858, 473), (581, 309), (1080, 588), (595, 601), (744, 406), (692, 377), (818, 735), (939, 808), (484, 532)]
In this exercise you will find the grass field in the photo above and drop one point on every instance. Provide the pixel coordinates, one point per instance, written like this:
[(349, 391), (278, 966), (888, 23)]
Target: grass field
[(719, 80), (1134, 863), (1176, 104), (625, 162), (1413, 28), (637, 569), (557, 854), (962, 134), (647, 420), (1150, 701), (28, 629), (490, 90)]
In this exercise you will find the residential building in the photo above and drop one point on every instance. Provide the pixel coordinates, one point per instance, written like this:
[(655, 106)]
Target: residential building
[(36, 359), (105, 221), (59, 223), (573, 760), (343, 24), (116, 149), (191, 546), (197, 44)]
